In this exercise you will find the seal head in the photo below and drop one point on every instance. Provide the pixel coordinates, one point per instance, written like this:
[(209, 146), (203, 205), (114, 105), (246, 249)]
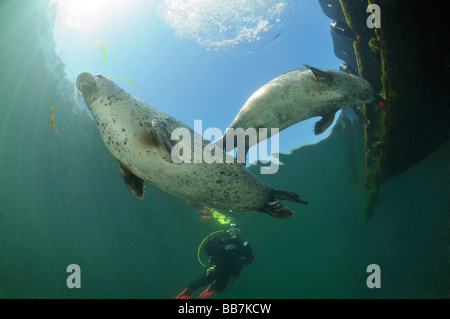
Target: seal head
[(90, 87)]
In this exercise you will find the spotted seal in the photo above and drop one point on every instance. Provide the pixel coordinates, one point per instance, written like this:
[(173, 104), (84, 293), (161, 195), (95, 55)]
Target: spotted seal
[(139, 137), (296, 96)]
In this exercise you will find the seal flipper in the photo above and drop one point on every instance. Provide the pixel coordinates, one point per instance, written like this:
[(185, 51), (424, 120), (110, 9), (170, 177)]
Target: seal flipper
[(134, 184), (159, 133), (161, 137), (285, 195), (276, 209), (326, 120), (318, 75)]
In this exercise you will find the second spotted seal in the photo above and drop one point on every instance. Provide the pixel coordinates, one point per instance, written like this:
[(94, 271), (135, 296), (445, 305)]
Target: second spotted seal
[(296, 96), (139, 137)]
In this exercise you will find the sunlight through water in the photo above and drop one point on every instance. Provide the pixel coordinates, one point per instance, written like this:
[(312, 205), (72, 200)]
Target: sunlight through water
[(87, 14)]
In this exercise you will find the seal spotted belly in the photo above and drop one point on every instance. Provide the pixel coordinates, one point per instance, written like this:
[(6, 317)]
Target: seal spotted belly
[(139, 137), (296, 96)]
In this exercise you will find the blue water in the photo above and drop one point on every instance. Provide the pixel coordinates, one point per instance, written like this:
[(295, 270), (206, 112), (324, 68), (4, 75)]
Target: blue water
[(63, 201)]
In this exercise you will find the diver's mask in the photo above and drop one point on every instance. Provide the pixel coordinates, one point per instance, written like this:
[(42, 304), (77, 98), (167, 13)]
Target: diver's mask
[(233, 231)]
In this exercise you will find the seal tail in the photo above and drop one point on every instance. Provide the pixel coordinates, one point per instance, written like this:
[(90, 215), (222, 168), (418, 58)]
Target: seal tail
[(289, 196)]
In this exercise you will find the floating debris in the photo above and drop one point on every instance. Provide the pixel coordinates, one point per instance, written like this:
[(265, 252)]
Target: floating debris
[(52, 121), (104, 63)]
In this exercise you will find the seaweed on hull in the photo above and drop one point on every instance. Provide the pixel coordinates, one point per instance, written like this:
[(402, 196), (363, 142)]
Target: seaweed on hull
[(407, 61)]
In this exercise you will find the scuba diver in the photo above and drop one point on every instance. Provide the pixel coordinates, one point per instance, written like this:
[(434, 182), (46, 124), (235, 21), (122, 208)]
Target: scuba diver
[(227, 253)]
